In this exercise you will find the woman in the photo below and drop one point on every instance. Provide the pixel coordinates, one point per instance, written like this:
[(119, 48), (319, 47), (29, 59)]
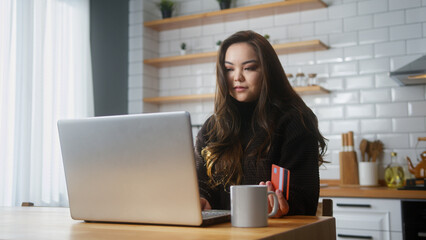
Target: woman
[(258, 120)]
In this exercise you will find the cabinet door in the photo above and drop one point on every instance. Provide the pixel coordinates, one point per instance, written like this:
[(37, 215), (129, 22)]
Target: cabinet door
[(367, 214), (349, 234), (352, 234)]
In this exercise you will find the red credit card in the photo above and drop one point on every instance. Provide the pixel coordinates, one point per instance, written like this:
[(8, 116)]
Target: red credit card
[(280, 178)]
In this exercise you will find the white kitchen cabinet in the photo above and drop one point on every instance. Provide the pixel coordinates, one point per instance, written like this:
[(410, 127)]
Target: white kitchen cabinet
[(366, 218)]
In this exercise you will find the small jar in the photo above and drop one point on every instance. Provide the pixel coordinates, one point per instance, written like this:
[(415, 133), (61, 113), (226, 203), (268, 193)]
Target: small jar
[(290, 79), (300, 79), (312, 80)]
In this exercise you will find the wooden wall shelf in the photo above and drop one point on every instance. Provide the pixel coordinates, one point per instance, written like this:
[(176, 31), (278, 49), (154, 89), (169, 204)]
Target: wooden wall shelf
[(283, 48), (309, 90), (234, 14)]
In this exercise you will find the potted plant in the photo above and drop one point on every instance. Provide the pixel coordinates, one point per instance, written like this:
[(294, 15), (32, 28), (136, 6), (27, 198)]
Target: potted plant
[(218, 43), (166, 8), (183, 48), (266, 36), (224, 4)]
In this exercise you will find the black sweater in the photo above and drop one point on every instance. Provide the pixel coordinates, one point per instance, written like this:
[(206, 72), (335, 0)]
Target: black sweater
[(293, 147)]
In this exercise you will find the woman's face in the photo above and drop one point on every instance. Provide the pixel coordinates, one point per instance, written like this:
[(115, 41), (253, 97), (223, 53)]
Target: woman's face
[(243, 72)]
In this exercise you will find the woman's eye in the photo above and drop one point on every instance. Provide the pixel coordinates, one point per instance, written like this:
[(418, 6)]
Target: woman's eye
[(228, 69), (250, 68)]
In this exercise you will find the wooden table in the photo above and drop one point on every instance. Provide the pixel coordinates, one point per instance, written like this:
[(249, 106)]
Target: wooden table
[(56, 223)]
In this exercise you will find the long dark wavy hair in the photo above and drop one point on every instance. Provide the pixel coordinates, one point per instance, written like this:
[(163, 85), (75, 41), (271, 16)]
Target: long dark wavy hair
[(223, 152)]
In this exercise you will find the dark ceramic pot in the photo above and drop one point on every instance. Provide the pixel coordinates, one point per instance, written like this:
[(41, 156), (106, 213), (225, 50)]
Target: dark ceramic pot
[(166, 13), (225, 4)]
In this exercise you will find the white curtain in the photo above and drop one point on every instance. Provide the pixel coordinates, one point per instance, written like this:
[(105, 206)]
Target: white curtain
[(45, 75)]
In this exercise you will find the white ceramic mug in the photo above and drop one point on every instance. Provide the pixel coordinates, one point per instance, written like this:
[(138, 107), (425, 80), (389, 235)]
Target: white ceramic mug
[(249, 205)]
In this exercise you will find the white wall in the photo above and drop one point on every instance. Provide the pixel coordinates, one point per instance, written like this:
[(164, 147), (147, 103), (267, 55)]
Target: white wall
[(367, 39)]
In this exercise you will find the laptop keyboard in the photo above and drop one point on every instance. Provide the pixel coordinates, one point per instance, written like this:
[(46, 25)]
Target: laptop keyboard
[(214, 213)]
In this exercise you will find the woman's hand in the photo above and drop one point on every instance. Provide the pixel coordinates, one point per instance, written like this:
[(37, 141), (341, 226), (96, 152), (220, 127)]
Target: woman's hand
[(282, 202), (205, 205)]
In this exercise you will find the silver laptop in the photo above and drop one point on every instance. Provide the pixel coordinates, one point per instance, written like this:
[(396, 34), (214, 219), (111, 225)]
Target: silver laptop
[(133, 168)]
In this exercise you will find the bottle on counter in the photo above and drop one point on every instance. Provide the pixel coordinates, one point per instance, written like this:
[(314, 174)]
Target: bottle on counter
[(394, 173)]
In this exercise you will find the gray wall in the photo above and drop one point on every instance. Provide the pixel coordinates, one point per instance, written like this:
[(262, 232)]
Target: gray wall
[(109, 46)]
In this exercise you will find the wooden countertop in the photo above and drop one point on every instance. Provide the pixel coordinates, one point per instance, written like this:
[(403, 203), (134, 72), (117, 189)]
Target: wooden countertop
[(56, 223), (334, 190)]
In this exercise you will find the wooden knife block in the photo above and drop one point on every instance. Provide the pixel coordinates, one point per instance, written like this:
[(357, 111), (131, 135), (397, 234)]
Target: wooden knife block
[(348, 168)]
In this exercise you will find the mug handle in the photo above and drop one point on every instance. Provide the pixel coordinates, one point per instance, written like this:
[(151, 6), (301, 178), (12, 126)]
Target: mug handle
[(276, 206)]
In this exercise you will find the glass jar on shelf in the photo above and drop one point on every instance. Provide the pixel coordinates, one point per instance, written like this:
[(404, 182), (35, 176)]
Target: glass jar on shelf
[(291, 79), (394, 173), (312, 79), (300, 80)]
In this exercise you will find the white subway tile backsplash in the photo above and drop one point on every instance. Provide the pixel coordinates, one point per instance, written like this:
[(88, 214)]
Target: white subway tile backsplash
[(383, 80), (398, 4), (335, 142), (343, 39), (408, 93), (360, 111), (324, 127), (135, 43), (300, 30), (213, 29), (334, 84), (324, 113), (360, 82), (345, 97), (392, 110), (389, 49), (164, 48), (408, 125), (330, 56), (358, 23), (320, 69), (406, 32), (389, 18), (342, 11), (191, 32), (135, 81), (316, 100), (235, 26), (134, 107), (394, 140), (327, 27), (416, 46), (415, 143), (373, 6), (417, 108), (260, 22), (374, 66), (135, 56), (169, 35), (168, 84), (190, 82), (203, 43), (135, 68), (376, 125), (135, 94), (301, 58), (287, 19), (189, 7), (135, 30), (376, 96), (339, 126), (344, 69), (358, 52), (314, 15), (374, 36)]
